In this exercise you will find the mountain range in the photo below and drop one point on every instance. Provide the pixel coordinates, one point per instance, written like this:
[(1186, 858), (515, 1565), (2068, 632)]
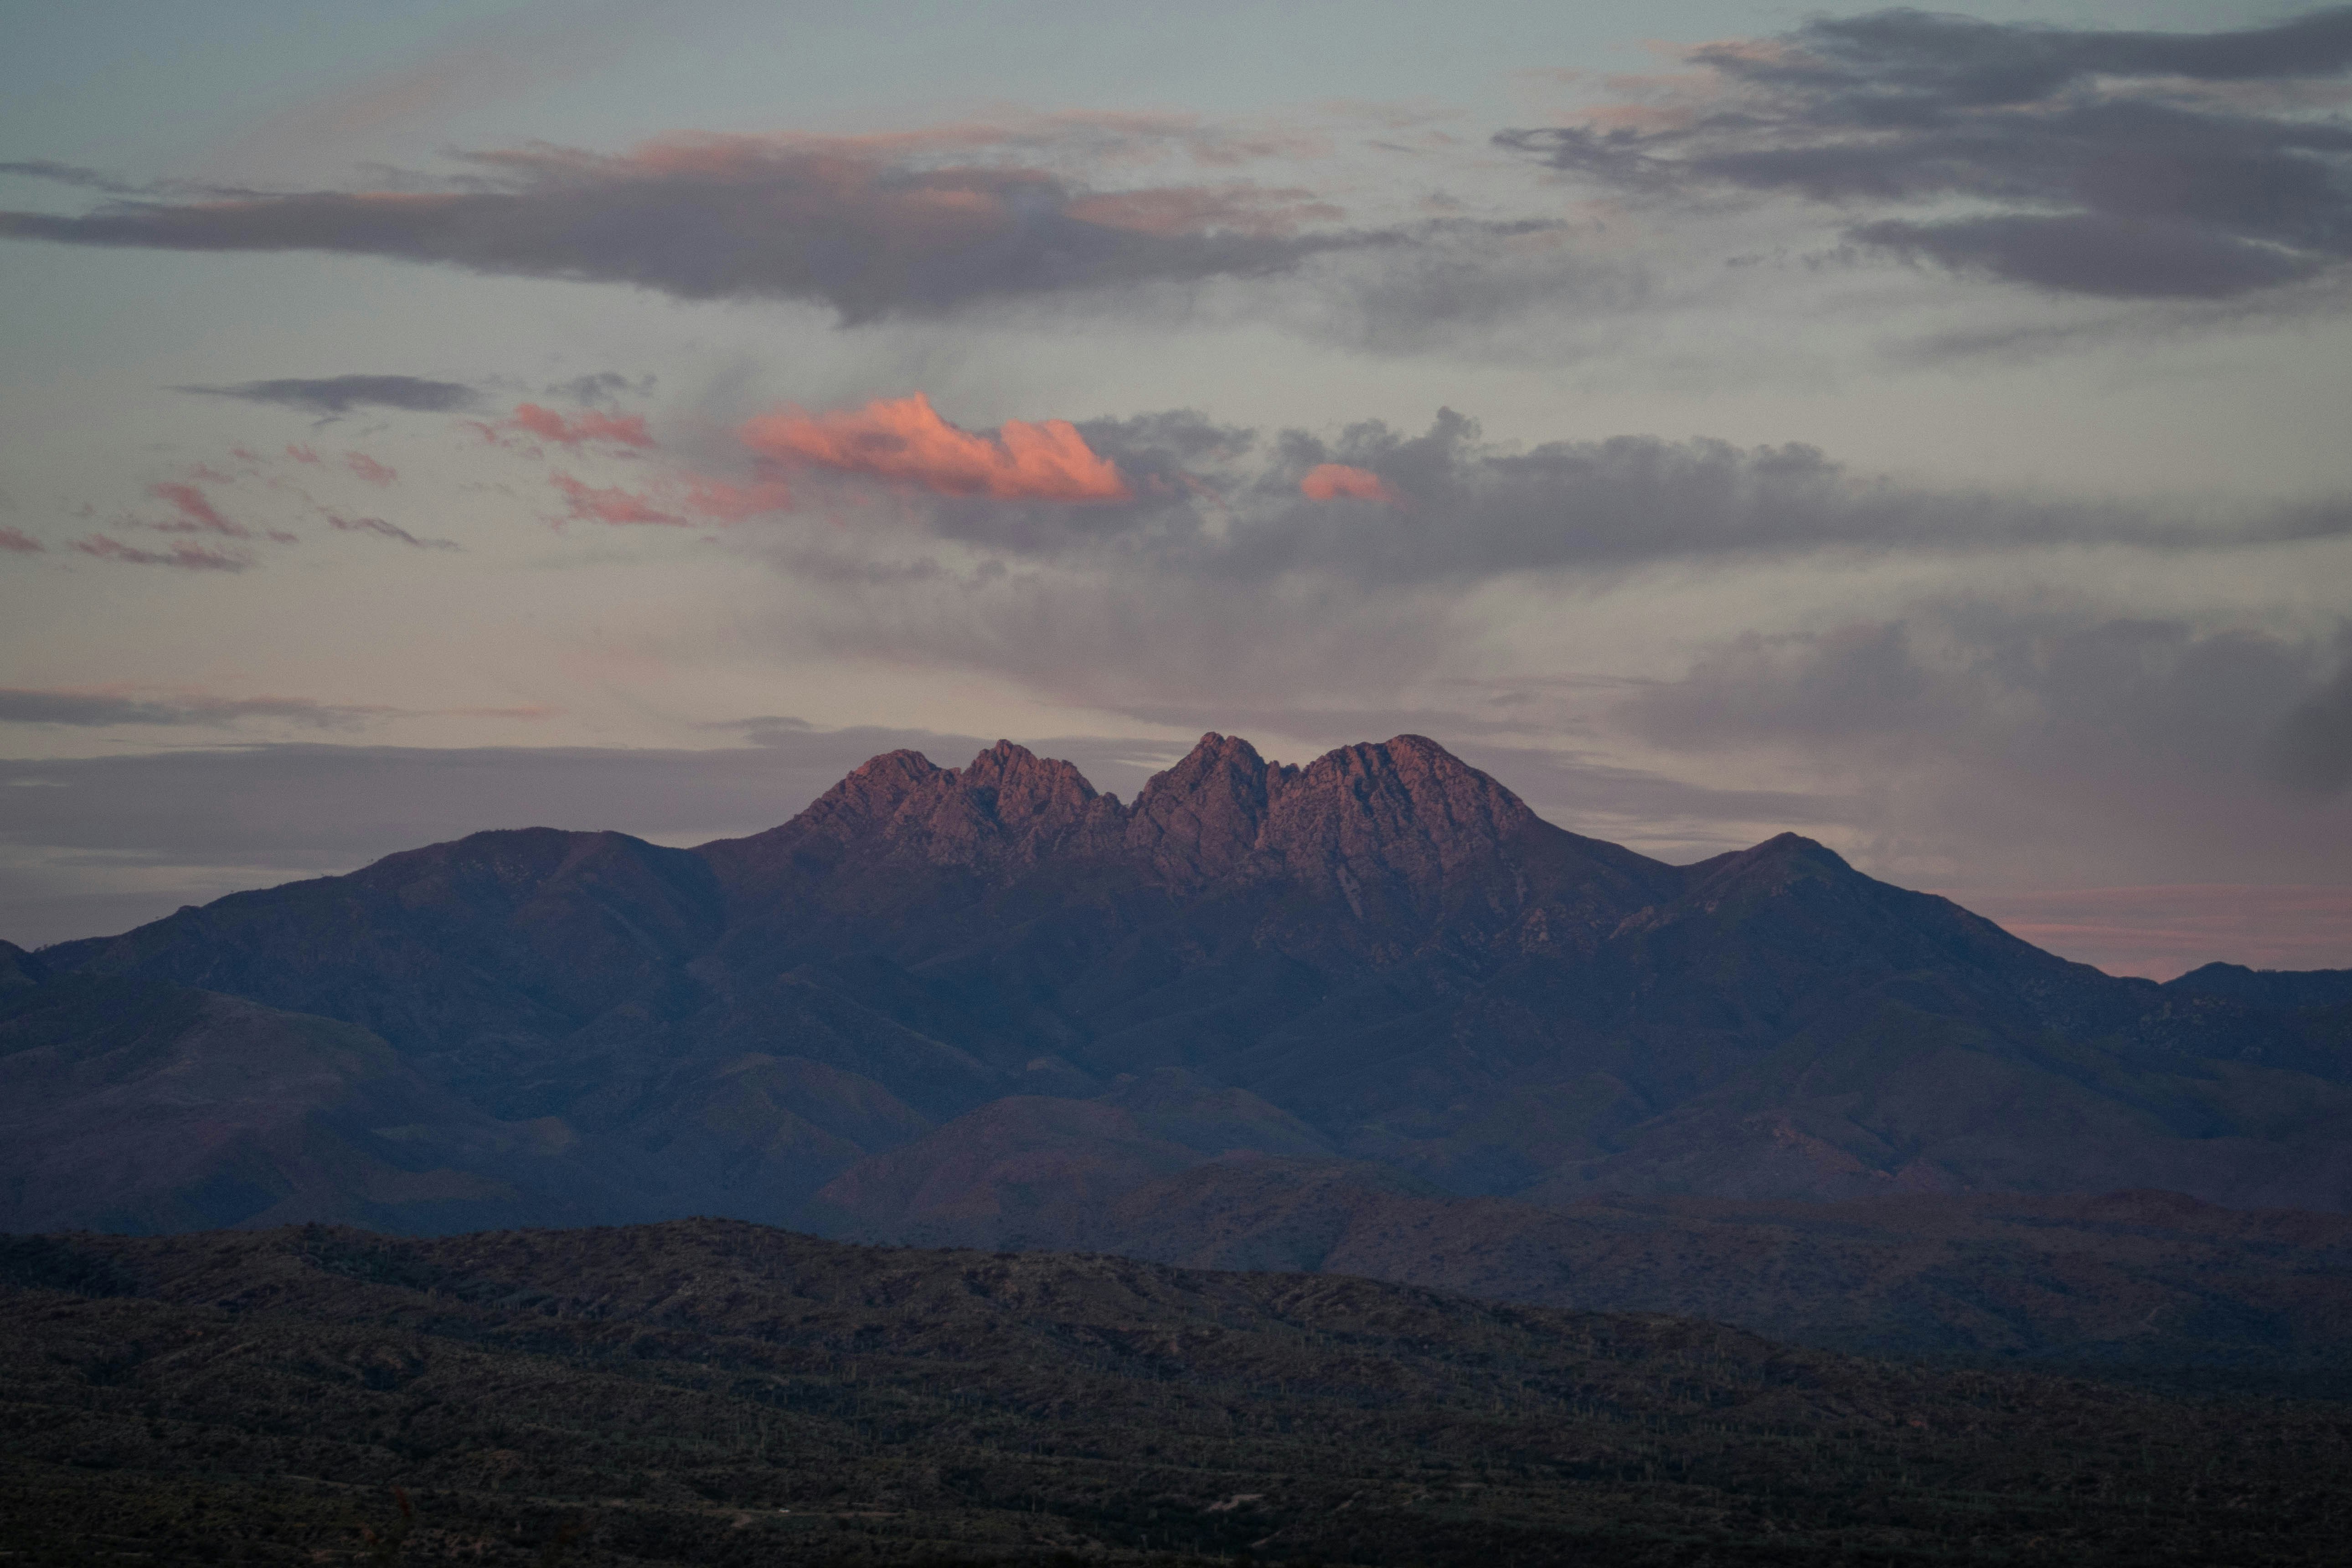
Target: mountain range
[(991, 1006)]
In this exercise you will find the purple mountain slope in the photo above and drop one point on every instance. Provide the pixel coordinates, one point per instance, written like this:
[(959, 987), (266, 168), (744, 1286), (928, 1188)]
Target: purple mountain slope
[(1384, 953)]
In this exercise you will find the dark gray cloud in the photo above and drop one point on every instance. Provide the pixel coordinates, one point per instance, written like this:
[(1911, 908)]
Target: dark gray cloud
[(871, 229), (2128, 164), (384, 530), (2312, 747), (91, 710), (342, 394), (183, 556), (2036, 744)]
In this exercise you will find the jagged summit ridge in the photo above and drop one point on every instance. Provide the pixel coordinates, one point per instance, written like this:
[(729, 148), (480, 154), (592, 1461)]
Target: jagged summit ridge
[(1007, 804), (1404, 809)]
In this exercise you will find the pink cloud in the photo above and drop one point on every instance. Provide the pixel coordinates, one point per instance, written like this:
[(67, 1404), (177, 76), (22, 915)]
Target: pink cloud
[(196, 513), (1338, 481), (610, 504), (193, 557), (621, 429), (19, 542), (905, 440), (733, 503), (302, 454), (368, 468)]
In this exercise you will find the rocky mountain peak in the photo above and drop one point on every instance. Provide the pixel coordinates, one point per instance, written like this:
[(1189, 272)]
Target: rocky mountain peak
[(1203, 818), (1405, 809), (1007, 804), (1769, 867), (1022, 789)]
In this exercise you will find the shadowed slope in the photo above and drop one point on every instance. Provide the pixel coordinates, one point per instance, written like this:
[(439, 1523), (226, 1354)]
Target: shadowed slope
[(1385, 946), (136, 1106)]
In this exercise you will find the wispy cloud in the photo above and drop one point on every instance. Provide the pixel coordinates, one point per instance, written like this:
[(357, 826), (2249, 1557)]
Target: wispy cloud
[(611, 503), (188, 557), (193, 512), (603, 388), (384, 530), (89, 709), (341, 393), (587, 426), (368, 468), (917, 222)]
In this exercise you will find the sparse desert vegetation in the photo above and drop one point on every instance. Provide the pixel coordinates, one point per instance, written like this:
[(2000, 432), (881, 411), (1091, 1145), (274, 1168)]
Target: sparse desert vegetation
[(719, 1392)]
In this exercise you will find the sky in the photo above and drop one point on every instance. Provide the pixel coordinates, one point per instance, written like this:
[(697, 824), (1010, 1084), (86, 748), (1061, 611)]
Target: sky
[(1926, 431)]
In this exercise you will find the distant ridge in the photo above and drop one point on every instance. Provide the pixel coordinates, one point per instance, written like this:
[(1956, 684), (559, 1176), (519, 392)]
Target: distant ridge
[(1381, 958)]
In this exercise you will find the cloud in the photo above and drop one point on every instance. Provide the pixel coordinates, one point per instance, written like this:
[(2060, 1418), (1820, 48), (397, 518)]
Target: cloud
[(193, 512), (91, 710), (905, 440), (2124, 164), (190, 557), (382, 529), (603, 388), (2312, 747), (1338, 481), (624, 429), (368, 468), (918, 224), (341, 393), (17, 543), (2040, 742), (728, 502), (610, 503), (1227, 503), (70, 175)]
